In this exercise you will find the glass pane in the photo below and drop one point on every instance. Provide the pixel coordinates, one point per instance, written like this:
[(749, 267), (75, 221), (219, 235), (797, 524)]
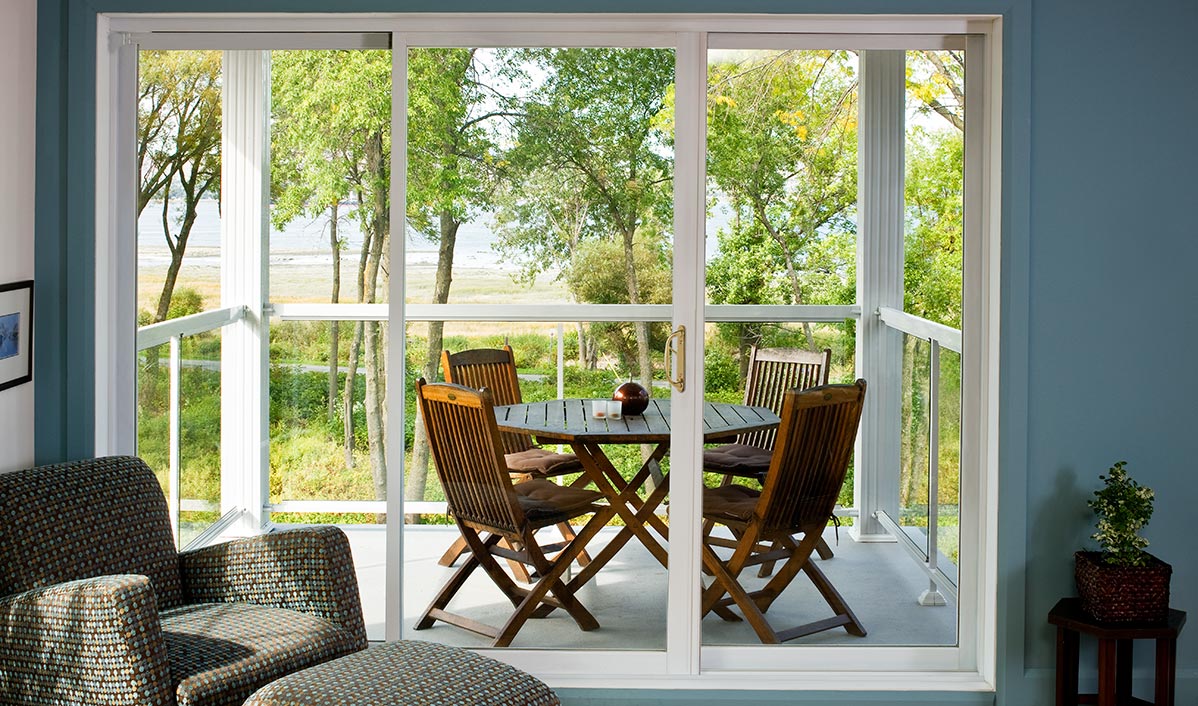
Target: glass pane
[(199, 482), (330, 161), (781, 229), (934, 193), (782, 177), (178, 275), (915, 419), (948, 516), (782, 162), (503, 194), (543, 176), (588, 373), (178, 223), (328, 431)]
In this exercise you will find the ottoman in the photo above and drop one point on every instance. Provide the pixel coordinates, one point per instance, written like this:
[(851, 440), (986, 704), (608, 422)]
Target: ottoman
[(407, 672)]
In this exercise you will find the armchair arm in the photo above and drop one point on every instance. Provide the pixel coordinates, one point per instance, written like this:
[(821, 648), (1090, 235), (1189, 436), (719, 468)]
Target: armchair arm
[(95, 641), (308, 569)]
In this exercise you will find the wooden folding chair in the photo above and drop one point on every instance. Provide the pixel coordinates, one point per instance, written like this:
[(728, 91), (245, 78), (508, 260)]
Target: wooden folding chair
[(489, 509), (495, 369), (807, 469), (772, 371)]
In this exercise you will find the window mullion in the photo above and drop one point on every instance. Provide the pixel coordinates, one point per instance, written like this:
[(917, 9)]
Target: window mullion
[(245, 228)]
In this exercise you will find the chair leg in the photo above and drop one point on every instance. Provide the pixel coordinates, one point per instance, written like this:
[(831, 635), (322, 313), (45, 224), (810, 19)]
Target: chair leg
[(568, 535), (725, 583), (754, 605), (452, 586), (456, 550), (551, 583), (834, 599), (459, 547)]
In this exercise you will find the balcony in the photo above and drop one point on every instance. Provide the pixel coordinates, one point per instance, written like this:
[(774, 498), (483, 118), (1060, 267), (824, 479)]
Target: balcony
[(904, 590)]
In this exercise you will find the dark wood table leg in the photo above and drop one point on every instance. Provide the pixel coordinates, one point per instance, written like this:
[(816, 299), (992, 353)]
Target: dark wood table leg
[(1166, 671), (1107, 664), (624, 500), (1122, 671), (1067, 667)]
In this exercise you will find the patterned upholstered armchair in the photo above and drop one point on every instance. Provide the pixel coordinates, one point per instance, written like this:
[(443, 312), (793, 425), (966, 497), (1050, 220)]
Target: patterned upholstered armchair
[(97, 607)]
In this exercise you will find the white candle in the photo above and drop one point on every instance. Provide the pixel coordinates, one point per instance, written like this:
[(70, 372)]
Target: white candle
[(615, 408), (599, 409)]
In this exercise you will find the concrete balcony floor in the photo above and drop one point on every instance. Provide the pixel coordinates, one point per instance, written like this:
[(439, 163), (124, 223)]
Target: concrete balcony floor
[(879, 581)]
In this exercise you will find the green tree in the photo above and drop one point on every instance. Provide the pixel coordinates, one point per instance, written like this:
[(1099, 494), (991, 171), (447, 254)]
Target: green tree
[(937, 80), (782, 149), (178, 145), (592, 278), (599, 121), (933, 271), (452, 172), (339, 102), (541, 219)]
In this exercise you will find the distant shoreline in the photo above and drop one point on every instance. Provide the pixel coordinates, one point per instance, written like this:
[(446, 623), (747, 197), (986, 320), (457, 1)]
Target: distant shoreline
[(312, 283)]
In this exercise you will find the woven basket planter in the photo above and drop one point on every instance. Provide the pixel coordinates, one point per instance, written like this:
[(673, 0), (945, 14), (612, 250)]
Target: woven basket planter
[(1122, 594)]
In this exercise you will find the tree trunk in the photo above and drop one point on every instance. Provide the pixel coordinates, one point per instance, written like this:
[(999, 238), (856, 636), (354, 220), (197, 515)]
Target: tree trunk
[(375, 383), (347, 395), (643, 361), (178, 248), (744, 347), (375, 392), (355, 347), (792, 275), (334, 326), (417, 480), (582, 344)]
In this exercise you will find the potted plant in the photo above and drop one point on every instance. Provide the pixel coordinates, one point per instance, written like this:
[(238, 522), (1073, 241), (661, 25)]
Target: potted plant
[(1122, 583)]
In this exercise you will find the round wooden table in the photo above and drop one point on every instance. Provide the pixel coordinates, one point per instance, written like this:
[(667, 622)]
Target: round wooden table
[(569, 421)]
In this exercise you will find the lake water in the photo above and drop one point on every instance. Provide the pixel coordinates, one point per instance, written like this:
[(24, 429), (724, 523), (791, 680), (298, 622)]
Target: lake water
[(305, 241)]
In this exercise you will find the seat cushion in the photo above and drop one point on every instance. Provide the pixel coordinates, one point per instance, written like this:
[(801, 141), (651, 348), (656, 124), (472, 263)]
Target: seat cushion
[(544, 501), (220, 653), (537, 461), (408, 672), (737, 460), (730, 502)]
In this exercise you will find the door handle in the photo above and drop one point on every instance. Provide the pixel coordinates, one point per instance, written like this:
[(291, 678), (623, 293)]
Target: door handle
[(676, 346)]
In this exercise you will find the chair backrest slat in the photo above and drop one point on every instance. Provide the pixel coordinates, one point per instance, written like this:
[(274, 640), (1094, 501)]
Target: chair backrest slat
[(495, 370), (464, 440), (773, 371), (811, 459)]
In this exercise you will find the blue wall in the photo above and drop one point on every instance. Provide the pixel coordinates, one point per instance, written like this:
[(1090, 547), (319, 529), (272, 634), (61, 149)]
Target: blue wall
[(1098, 253)]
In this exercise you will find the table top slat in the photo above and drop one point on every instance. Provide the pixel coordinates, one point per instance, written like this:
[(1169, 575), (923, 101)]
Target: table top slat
[(571, 420)]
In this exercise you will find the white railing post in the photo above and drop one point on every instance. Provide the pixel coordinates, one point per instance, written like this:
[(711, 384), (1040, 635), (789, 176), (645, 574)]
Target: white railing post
[(932, 596), (561, 360), (174, 488)]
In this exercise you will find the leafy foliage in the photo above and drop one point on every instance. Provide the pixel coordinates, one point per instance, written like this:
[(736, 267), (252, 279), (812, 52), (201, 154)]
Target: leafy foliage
[(1123, 507), (782, 147)]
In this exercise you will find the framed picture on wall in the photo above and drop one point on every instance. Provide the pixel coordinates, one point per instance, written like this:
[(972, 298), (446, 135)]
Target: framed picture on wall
[(16, 333)]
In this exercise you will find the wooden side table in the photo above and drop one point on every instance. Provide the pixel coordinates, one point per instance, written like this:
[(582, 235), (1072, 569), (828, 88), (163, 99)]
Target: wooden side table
[(1114, 656)]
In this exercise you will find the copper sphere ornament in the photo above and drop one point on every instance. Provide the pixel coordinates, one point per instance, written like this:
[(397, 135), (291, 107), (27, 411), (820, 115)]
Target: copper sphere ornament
[(635, 398)]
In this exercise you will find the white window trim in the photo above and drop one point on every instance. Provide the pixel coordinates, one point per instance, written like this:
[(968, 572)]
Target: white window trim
[(967, 667)]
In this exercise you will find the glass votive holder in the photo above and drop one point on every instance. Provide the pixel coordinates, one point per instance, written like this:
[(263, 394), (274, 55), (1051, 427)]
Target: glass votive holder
[(615, 408), (599, 409)]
